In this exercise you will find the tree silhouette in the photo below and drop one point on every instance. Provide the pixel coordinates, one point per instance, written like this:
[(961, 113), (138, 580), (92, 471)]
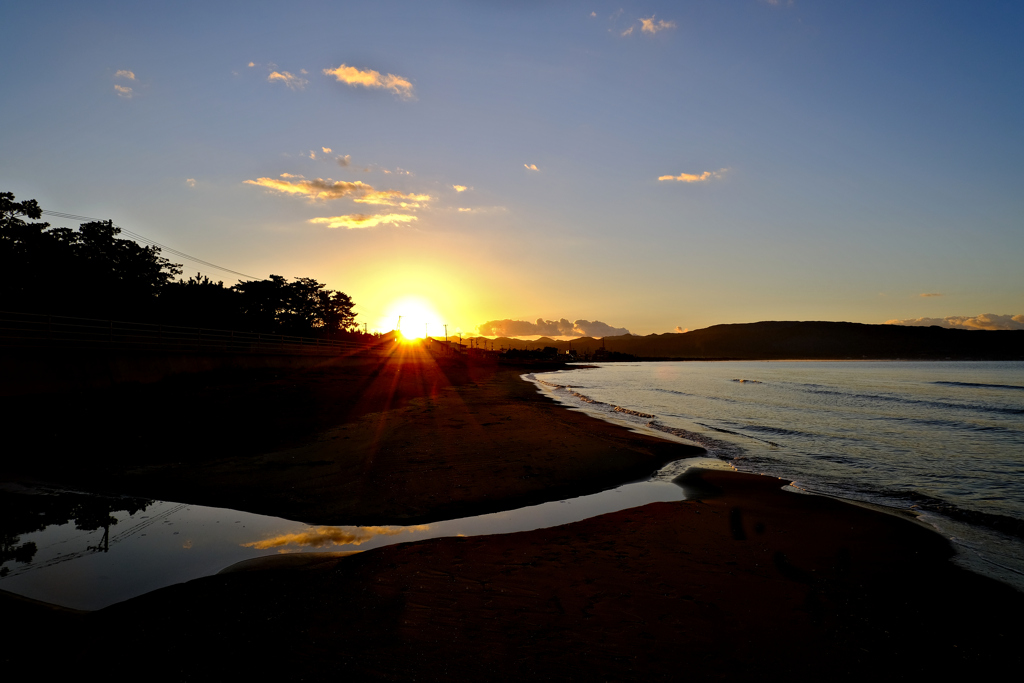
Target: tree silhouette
[(85, 272), (90, 272), (301, 307)]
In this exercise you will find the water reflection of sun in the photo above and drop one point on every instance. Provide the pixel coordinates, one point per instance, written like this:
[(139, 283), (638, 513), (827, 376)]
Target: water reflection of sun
[(418, 318)]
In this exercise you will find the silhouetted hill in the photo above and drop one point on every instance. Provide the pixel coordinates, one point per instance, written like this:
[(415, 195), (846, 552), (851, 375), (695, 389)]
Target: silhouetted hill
[(809, 340)]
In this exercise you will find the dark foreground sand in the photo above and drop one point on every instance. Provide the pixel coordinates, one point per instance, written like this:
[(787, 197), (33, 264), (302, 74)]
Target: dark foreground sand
[(399, 440), (749, 582)]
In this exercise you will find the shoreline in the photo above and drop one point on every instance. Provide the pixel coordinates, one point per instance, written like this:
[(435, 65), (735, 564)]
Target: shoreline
[(745, 580)]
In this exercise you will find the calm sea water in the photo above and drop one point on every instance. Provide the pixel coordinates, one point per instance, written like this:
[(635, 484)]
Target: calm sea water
[(942, 438)]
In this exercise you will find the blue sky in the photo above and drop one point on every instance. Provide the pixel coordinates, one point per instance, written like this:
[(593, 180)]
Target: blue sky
[(822, 161)]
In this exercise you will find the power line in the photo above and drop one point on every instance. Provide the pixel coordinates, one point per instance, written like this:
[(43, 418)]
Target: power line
[(145, 240)]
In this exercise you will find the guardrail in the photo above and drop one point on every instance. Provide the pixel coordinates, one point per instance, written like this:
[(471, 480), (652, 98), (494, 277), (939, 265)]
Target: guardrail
[(36, 331)]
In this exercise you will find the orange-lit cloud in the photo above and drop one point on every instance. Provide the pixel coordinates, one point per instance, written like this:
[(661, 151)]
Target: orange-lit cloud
[(252, 64), (464, 210), (323, 190), (532, 167), (125, 73), (652, 27), (314, 189), (393, 198), (551, 328), (289, 79), (927, 295), (359, 220), (371, 79), (985, 321), (291, 175), (460, 188), (344, 161), (327, 150), (191, 182), (694, 178), (628, 31), (123, 91), (681, 330), (318, 537)]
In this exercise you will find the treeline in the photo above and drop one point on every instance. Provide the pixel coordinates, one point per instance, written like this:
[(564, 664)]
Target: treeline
[(92, 273)]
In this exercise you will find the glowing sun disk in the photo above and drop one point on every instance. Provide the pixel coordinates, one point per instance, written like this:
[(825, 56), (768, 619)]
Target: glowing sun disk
[(418, 318)]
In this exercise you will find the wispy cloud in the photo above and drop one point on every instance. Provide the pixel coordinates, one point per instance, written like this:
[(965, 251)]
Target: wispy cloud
[(327, 150), (460, 188), (985, 321), (124, 91), (344, 161), (323, 190), (317, 188), (359, 220), (125, 73), (464, 210), (650, 26), (628, 31), (289, 79), (695, 177), (531, 167), (928, 295), (393, 198), (371, 79), (191, 182), (291, 175)]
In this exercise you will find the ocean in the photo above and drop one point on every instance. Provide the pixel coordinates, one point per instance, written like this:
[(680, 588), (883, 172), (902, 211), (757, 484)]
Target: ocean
[(941, 440)]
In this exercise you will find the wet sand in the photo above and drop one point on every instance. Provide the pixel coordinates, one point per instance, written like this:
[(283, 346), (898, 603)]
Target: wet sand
[(748, 582)]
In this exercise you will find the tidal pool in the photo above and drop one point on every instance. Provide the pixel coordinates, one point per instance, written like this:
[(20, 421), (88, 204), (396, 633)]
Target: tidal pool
[(87, 551)]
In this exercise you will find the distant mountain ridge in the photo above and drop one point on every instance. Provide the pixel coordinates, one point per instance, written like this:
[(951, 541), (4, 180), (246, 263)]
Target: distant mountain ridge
[(792, 340)]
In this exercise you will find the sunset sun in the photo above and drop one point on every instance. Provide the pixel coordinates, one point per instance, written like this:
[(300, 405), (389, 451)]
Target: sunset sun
[(414, 318)]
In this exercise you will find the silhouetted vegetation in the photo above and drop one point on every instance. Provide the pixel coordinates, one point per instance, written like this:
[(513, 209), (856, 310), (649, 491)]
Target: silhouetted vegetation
[(84, 272), (90, 272)]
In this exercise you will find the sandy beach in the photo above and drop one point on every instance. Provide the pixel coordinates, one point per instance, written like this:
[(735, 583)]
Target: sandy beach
[(398, 440), (747, 581)]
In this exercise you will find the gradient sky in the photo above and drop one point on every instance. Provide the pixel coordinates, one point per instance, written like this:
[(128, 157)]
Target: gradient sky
[(722, 161)]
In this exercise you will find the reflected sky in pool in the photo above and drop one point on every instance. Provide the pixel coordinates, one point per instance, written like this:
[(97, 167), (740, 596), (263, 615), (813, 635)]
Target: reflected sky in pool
[(163, 543)]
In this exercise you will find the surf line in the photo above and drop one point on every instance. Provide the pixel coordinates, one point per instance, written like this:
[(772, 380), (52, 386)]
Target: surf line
[(715, 448)]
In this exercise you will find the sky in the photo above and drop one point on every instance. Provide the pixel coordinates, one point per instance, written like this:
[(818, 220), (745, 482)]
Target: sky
[(653, 166)]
